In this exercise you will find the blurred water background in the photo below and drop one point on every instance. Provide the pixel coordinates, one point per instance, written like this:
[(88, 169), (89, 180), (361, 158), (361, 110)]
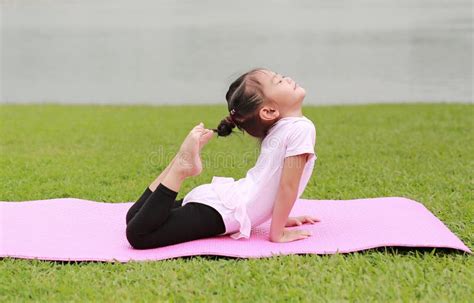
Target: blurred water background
[(182, 52)]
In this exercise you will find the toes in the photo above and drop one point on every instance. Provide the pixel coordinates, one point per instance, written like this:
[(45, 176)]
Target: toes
[(206, 136), (199, 129), (199, 126)]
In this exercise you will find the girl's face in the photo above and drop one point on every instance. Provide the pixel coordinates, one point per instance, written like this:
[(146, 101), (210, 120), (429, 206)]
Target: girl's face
[(283, 90)]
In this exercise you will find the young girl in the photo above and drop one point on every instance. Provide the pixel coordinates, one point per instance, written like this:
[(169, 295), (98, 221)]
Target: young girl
[(268, 106)]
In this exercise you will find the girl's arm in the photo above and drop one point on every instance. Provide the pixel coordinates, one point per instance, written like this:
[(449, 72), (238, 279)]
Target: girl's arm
[(293, 167)]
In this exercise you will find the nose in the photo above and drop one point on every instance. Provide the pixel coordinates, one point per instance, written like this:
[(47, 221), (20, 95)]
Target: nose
[(290, 80)]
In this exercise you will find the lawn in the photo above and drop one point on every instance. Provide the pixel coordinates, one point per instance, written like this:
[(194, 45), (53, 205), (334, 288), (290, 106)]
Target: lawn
[(424, 152)]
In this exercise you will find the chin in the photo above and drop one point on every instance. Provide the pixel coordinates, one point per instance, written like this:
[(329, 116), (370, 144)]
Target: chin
[(301, 93)]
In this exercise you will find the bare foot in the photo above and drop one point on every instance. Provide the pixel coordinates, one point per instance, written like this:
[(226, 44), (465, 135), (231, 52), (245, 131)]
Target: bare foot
[(189, 159), (206, 135)]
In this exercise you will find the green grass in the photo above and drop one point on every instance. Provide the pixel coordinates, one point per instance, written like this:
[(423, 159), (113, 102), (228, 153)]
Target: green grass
[(424, 152)]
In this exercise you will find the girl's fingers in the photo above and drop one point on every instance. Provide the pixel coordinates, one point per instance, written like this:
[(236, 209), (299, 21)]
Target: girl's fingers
[(312, 220), (306, 233)]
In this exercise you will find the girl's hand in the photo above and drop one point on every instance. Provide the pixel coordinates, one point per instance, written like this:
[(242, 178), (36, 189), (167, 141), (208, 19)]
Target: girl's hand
[(297, 221), (289, 235)]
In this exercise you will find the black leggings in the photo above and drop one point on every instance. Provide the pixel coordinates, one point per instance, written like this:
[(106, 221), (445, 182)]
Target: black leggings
[(157, 220)]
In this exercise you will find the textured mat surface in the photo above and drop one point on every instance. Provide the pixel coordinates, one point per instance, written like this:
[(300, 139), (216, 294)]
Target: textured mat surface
[(70, 229)]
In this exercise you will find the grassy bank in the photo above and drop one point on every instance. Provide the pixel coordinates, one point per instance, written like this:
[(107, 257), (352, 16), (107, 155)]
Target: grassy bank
[(424, 152)]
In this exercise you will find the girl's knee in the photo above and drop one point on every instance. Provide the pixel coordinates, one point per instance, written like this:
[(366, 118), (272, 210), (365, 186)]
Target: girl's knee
[(140, 241), (135, 240), (129, 216)]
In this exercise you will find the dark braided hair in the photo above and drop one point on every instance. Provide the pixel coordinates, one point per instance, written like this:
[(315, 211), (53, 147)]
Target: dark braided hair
[(244, 99)]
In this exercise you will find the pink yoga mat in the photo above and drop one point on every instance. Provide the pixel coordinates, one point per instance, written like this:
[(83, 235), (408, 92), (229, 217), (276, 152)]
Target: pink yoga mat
[(70, 229)]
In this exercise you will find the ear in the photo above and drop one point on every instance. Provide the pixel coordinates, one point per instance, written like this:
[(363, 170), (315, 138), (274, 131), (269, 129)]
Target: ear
[(268, 113)]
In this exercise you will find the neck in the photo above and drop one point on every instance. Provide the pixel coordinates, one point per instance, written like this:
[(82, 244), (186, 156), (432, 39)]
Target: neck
[(297, 112)]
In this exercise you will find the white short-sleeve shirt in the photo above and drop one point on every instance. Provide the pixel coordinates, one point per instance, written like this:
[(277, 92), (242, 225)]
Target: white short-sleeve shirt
[(249, 201)]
